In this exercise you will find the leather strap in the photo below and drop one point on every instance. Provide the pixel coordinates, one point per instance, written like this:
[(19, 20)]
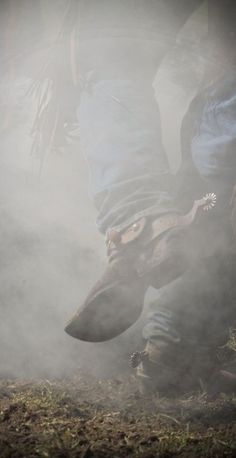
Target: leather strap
[(161, 224), (171, 221)]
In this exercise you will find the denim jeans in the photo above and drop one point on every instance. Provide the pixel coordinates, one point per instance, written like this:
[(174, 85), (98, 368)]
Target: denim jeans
[(120, 134), (213, 146), (122, 44)]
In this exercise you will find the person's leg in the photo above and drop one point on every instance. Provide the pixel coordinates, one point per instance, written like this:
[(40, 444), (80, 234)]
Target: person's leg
[(193, 315), (120, 134), (197, 309), (189, 323), (213, 146), (121, 46)]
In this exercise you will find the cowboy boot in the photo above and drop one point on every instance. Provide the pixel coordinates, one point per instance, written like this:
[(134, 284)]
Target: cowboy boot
[(150, 252), (156, 370)]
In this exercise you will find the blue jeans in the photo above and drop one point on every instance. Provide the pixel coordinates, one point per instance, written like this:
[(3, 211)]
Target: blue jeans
[(120, 133), (121, 45), (213, 146)]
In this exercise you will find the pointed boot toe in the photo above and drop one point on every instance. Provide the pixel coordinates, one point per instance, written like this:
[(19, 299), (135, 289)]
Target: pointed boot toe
[(111, 307)]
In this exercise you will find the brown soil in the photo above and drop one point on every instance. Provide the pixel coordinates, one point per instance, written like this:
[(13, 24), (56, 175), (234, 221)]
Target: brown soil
[(85, 418)]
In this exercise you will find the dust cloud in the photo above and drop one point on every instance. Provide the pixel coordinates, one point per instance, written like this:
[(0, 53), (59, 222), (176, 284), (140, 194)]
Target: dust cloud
[(51, 252)]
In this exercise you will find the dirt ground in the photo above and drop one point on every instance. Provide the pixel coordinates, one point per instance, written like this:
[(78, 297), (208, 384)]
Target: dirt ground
[(85, 418)]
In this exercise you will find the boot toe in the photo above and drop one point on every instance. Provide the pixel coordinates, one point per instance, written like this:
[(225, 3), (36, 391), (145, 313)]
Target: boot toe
[(107, 312)]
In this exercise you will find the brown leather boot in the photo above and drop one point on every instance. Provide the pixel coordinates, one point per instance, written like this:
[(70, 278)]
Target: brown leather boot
[(156, 370), (172, 368), (151, 251)]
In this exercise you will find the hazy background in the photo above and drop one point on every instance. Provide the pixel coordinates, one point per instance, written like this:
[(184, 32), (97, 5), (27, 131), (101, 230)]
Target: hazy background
[(51, 252)]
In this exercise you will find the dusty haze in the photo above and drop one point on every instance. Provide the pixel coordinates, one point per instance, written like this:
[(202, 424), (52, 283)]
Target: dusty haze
[(51, 252)]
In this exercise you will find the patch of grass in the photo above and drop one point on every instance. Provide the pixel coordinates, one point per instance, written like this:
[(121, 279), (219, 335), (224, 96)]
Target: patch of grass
[(86, 418)]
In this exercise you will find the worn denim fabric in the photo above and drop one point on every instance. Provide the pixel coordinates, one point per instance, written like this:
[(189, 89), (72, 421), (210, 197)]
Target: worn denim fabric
[(198, 308), (121, 135), (122, 44), (214, 145), (201, 302)]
